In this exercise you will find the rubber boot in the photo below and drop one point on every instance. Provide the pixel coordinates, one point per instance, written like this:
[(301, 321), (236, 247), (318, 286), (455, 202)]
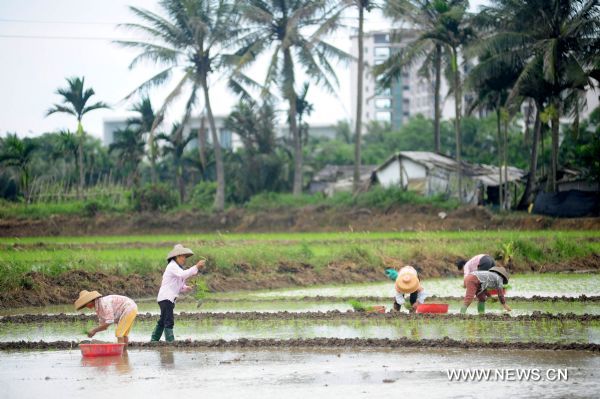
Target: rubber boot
[(169, 337), (481, 307), (157, 333), (463, 309)]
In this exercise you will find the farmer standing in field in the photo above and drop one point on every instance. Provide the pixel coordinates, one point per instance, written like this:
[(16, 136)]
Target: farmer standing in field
[(478, 282), (408, 282), (110, 309), (172, 285)]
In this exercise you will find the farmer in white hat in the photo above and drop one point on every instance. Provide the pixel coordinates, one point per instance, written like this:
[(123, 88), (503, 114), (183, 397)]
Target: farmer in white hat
[(111, 309), (477, 284), (408, 282), (172, 285)]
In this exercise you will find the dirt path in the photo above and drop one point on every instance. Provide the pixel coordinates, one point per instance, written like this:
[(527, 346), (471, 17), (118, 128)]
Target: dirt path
[(333, 315), (318, 343), (308, 219)]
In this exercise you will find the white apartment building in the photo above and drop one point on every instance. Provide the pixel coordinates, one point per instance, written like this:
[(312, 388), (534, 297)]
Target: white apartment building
[(409, 95)]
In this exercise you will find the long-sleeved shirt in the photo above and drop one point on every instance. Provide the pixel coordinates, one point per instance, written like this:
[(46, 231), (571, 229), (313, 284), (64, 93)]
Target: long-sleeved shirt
[(472, 264), (111, 308), (421, 296), (173, 281), (491, 281)]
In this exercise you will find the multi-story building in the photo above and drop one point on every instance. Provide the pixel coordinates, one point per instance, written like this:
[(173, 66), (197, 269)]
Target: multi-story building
[(408, 96)]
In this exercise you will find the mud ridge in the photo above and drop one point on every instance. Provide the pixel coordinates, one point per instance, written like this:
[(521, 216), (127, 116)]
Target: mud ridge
[(333, 315), (386, 299), (310, 343)]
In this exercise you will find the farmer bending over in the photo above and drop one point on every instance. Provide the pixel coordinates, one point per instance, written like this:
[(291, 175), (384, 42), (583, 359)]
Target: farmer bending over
[(111, 309), (477, 284), (408, 282), (478, 262)]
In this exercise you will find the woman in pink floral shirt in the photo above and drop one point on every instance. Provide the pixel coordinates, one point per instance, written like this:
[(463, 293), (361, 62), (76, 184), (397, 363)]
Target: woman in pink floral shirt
[(111, 309)]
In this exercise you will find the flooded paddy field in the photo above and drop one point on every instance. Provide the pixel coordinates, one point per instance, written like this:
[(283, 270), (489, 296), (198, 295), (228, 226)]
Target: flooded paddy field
[(521, 285), (296, 373), (545, 329), (520, 306)]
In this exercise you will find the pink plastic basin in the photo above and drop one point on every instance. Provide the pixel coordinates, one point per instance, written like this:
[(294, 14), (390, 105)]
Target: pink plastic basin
[(432, 308), (93, 350)]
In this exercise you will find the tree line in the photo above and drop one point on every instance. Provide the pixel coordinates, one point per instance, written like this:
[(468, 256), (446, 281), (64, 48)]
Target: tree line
[(543, 53)]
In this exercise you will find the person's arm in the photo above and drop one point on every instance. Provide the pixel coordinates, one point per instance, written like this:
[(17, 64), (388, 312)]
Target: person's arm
[(101, 327), (185, 289), (185, 274), (422, 295), (503, 300)]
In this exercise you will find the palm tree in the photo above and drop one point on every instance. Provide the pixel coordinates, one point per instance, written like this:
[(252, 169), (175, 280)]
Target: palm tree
[(74, 103), (129, 145), (443, 30), (18, 154), (142, 124), (192, 38), (559, 36), (176, 142), (362, 5), (281, 26), (424, 16)]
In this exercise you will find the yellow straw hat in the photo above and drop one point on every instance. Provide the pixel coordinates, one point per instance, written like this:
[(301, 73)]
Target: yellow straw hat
[(407, 281), (86, 297)]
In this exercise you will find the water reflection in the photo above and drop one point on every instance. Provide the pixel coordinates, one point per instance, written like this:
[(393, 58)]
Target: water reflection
[(107, 363), (167, 359)]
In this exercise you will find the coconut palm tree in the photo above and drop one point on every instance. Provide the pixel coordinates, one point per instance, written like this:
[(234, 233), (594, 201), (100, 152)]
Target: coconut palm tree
[(74, 101), (293, 33), (443, 30), (142, 124), (18, 154), (559, 36), (129, 145), (175, 144), (424, 16), (362, 5), (191, 39)]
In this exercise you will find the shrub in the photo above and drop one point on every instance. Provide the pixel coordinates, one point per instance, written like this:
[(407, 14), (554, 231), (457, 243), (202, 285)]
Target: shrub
[(154, 197), (203, 195), (91, 208)]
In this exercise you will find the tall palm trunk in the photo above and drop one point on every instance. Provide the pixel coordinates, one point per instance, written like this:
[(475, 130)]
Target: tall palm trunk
[(219, 204), (527, 197), (505, 159), (180, 182), (80, 134), (202, 143), (554, 162), (458, 112), (290, 93), (359, 98), (152, 145), (437, 111), (500, 186)]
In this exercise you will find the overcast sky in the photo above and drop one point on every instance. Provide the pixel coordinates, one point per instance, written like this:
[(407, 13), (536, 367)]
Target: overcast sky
[(44, 41)]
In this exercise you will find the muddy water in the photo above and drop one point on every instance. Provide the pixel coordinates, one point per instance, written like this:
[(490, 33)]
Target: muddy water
[(292, 374), (471, 329), (525, 285), (305, 305)]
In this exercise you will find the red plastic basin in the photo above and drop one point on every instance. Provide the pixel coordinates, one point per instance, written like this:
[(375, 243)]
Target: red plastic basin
[(93, 350), (432, 308), (495, 292), (376, 309)]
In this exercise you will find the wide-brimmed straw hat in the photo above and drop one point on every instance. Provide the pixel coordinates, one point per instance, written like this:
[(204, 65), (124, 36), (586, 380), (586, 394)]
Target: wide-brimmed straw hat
[(179, 249), (501, 271), (86, 297), (407, 282)]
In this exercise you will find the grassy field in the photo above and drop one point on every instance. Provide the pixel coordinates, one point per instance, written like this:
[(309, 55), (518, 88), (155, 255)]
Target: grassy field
[(145, 254)]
